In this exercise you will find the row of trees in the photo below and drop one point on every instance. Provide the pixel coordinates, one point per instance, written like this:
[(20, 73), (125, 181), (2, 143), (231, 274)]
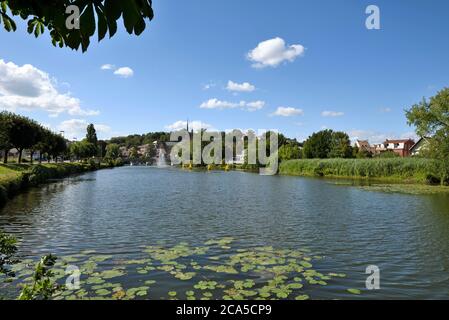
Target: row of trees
[(23, 133)]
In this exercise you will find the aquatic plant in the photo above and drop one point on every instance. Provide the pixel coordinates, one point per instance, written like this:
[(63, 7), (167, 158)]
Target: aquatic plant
[(213, 270)]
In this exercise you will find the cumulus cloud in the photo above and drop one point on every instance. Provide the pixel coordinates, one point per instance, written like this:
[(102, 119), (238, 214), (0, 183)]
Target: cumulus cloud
[(107, 67), (219, 104), (240, 87), (124, 72), (76, 128), (332, 113), (255, 105), (29, 88), (287, 112), (195, 125), (271, 53)]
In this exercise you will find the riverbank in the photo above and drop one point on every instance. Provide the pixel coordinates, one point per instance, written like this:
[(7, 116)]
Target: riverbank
[(404, 170), (15, 178)]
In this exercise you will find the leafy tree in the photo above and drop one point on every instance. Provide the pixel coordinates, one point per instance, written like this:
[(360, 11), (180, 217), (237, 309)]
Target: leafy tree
[(327, 144), (82, 149), (289, 152), (112, 151), (91, 135), (51, 16), (5, 133), (340, 145), (318, 145), (58, 146), (431, 118), (24, 133), (101, 144)]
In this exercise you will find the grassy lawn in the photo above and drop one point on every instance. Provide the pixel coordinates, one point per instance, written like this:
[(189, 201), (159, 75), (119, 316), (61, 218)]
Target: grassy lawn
[(8, 173)]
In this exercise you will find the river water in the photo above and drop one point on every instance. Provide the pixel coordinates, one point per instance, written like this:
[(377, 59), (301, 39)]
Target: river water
[(119, 213)]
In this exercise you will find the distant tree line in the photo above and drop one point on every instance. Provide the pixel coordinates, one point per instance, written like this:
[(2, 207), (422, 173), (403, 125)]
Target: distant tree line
[(137, 140)]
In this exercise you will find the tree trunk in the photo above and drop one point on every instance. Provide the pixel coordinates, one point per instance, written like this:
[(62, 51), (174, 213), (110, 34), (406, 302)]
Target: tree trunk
[(40, 157), (5, 156), (31, 156), (20, 156)]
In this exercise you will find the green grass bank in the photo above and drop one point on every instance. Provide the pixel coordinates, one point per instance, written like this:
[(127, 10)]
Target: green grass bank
[(405, 170), (15, 178)]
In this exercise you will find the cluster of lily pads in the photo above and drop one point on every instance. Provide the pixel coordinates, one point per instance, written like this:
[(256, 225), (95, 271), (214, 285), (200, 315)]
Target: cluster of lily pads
[(213, 270)]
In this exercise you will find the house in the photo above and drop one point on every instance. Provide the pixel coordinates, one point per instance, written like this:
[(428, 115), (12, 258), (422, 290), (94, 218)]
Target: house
[(401, 147), (363, 145), (419, 146), (378, 148)]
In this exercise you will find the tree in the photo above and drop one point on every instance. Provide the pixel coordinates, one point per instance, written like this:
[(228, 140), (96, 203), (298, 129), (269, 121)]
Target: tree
[(101, 144), (5, 133), (431, 118), (91, 135), (82, 149), (58, 147), (340, 145), (52, 16), (112, 151), (24, 133), (328, 144), (289, 152), (318, 145)]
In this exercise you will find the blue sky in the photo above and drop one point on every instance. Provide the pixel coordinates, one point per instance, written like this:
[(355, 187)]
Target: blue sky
[(362, 79)]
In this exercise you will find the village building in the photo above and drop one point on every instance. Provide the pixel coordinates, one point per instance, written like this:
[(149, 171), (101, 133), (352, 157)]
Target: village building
[(363, 145), (401, 147), (420, 146)]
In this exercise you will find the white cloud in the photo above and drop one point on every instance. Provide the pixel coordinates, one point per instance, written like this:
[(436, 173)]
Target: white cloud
[(76, 128), (255, 105), (28, 88), (271, 53), (107, 67), (195, 125), (240, 87), (219, 104), (124, 72), (332, 113), (385, 110), (209, 85), (287, 112)]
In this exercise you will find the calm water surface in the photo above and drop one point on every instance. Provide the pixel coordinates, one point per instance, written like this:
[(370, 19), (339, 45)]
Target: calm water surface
[(118, 211)]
